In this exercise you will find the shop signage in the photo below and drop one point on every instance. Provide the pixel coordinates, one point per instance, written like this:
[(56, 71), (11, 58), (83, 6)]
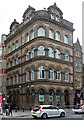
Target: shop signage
[(1, 99)]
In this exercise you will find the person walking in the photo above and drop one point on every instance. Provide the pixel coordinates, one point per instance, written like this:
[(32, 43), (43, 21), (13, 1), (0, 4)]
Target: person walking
[(58, 104), (10, 109)]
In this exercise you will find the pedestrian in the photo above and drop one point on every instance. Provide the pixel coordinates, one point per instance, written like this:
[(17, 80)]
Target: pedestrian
[(7, 109), (30, 108), (10, 109), (58, 104)]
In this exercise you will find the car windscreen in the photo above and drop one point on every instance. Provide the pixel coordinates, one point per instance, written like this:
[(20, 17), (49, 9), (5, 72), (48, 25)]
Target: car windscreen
[(36, 108)]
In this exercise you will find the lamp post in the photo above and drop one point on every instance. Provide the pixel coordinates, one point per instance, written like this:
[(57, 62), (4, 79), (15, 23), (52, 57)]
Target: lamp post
[(3, 45)]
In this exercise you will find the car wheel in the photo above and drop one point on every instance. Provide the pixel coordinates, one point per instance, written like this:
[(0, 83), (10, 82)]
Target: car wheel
[(44, 116), (62, 114), (35, 116)]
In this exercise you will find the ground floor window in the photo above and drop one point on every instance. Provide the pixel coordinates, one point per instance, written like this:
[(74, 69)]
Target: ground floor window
[(41, 95)]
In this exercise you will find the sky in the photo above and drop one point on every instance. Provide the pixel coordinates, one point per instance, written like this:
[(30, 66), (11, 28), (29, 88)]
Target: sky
[(14, 9)]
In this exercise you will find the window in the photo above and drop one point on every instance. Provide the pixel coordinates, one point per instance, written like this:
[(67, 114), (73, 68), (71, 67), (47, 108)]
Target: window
[(57, 36), (78, 67), (32, 52), (51, 34), (41, 51), (13, 79), (41, 95), (27, 37), (66, 75), (57, 18), (27, 75), (16, 44), (9, 64), (32, 34), (52, 16), (66, 39), (51, 95), (9, 80), (17, 77), (78, 84), (28, 96), (13, 47), (27, 55), (13, 62), (50, 52), (51, 74), (27, 19), (57, 54), (30, 17), (33, 96), (58, 95), (58, 74), (32, 74), (41, 72), (41, 31), (9, 49), (66, 56), (17, 60)]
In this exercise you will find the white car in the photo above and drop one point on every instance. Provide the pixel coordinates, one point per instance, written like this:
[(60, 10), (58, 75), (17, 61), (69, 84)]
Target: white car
[(44, 111), (79, 109)]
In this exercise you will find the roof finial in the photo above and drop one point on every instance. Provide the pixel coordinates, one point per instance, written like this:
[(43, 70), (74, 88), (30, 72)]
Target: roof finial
[(55, 4)]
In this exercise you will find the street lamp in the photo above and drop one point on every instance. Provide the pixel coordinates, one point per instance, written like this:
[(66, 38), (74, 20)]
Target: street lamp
[(3, 45)]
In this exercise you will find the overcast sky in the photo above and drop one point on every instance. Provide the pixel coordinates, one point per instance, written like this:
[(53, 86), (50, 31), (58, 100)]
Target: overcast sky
[(14, 9)]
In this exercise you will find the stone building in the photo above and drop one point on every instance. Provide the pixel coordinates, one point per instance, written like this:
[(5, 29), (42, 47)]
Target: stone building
[(39, 54), (78, 71)]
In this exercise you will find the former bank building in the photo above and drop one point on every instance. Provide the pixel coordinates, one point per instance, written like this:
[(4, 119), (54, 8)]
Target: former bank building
[(39, 54)]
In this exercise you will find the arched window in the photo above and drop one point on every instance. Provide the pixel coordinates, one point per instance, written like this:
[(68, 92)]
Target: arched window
[(17, 77), (66, 39), (28, 96), (51, 52), (33, 96), (32, 34), (52, 16), (51, 73), (41, 95), (9, 80), (57, 54), (57, 18), (27, 75), (17, 60), (58, 95), (66, 56), (41, 51), (66, 75), (16, 44), (41, 72), (32, 74), (58, 74), (13, 48), (27, 55), (51, 34), (41, 31), (13, 61), (57, 36), (51, 95), (32, 52), (27, 37), (13, 79)]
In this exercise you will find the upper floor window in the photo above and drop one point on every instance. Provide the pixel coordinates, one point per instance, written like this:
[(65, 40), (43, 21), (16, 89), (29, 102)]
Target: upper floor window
[(32, 52), (66, 56), (32, 34), (9, 80), (27, 55), (58, 74), (57, 54), (78, 67), (13, 62), (13, 79), (16, 44), (9, 64), (66, 39), (32, 74), (51, 34), (51, 73), (17, 77), (30, 17), (41, 51), (78, 84), (41, 72), (66, 75), (9, 49), (57, 36), (27, 19), (13, 47), (17, 60), (27, 37), (41, 31), (57, 18), (52, 16), (27, 75), (51, 52)]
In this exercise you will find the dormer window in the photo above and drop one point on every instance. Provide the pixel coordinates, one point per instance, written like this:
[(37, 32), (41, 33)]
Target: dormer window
[(52, 16), (27, 19), (13, 47), (66, 39), (30, 17), (57, 18)]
